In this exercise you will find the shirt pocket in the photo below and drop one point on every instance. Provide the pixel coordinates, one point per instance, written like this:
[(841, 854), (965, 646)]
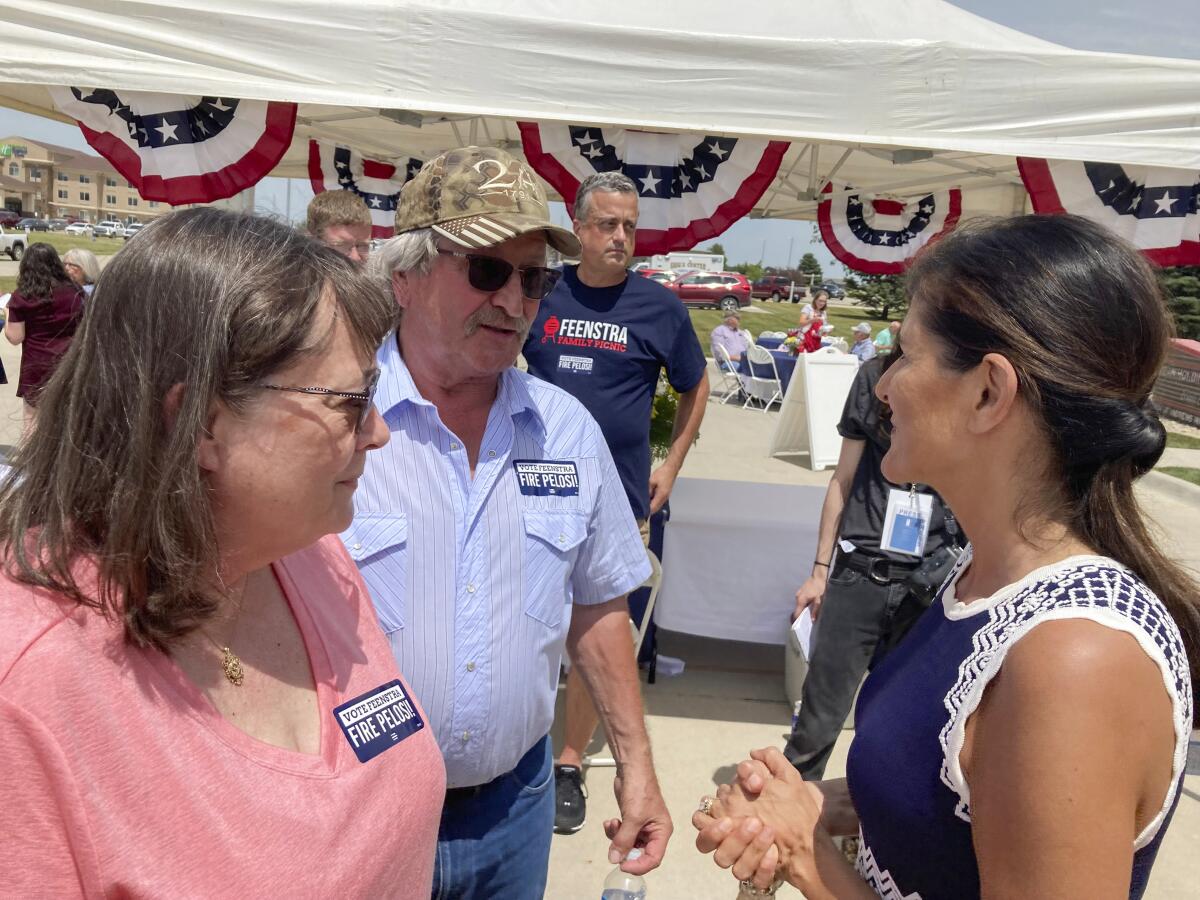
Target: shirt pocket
[(378, 544), (551, 546)]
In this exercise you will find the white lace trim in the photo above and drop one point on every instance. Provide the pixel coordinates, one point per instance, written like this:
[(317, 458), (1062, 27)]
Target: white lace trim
[(1094, 588), (879, 880)]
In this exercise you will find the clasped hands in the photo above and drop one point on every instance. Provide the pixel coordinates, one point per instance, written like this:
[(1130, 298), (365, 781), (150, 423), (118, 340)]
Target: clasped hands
[(765, 825)]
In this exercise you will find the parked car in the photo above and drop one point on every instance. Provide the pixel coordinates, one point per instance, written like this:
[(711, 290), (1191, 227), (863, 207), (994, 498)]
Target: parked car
[(664, 277), (9, 218), (724, 290), (131, 230), (56, 224), (108, 228), (12, 243), (78, 228), (31, 224), (835, 292), (777, 287)]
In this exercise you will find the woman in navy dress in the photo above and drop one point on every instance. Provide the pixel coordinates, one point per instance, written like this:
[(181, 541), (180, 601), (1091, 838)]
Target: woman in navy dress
[(1029, 738)]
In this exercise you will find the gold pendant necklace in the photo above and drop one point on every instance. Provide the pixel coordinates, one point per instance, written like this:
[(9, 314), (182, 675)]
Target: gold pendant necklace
[(232, 666)]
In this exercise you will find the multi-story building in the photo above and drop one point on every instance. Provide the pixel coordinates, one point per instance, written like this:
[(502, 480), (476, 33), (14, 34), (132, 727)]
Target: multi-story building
[(49, 181)]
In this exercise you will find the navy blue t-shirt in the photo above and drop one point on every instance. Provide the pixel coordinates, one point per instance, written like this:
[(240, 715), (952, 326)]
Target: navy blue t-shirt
[(606, 346)]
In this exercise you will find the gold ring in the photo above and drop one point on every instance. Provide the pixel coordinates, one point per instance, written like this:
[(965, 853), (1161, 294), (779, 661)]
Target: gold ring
[(706, 805)]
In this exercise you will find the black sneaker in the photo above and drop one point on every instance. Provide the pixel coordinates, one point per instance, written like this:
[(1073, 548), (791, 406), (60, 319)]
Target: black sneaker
[(570, 801)]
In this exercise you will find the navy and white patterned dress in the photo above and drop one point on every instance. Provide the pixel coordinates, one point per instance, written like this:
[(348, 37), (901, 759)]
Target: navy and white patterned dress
[(904, 772)]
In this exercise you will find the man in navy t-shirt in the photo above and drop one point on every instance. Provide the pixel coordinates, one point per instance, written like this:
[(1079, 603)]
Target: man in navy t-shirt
[(604, 335)]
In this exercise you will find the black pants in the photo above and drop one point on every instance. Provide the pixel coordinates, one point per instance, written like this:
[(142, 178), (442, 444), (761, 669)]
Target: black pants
[(860, 621)]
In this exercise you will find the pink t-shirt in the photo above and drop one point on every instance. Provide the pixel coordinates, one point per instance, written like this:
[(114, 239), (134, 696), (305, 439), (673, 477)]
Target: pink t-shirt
[(118, 778)]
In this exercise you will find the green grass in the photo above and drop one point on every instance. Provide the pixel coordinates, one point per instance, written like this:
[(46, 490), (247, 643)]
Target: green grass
[(1182, 441), (1192, 475), (64, 242), (780, 317), (8, 283)]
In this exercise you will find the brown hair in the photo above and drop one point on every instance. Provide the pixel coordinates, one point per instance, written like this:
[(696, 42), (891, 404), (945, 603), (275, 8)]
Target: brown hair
[(1080, 315), (208, 299), (331, 208), (40, 272)]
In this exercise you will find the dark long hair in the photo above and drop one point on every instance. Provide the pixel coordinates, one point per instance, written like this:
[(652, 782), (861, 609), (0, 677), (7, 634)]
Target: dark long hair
[(40, 272), (1080, 315), (208, 299)]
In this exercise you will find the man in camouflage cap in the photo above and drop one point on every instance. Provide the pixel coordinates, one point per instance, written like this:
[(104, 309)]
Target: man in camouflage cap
[(493, 529)]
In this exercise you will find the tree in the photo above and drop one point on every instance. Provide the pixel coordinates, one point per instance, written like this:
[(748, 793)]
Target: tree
[(810, 266), (753, 271), (883, 295), (1182, 285), (716, 248)]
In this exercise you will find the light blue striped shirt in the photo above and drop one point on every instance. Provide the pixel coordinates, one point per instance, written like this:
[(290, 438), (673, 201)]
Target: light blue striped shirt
[(473, 578)]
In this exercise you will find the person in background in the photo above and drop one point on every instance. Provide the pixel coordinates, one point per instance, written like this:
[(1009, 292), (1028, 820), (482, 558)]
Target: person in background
[(633, 329), (82, 267), (493, 530), (1030, 736), (859, 591), (42, 316), (730, 335), (886, 339), (862, 347), (194, 691), (340, 219)]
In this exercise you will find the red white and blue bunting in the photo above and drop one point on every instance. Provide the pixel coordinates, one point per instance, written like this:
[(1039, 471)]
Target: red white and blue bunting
[(691, 186), (333, 167), (181, 149), (880, 236), (1157, 209)]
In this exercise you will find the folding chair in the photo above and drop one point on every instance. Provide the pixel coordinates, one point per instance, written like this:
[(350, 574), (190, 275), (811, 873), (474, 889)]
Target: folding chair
[(765, 389), (639, 635), (731, 384)]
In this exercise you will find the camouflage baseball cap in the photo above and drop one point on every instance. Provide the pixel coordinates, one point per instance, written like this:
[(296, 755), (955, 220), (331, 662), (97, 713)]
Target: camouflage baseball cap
[(479, 197)]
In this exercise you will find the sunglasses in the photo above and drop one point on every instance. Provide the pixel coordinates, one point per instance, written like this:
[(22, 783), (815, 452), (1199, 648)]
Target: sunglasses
[(490, 273), (366, 397)]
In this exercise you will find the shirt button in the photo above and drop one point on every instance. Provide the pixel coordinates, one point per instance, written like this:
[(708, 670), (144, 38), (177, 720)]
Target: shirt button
[(491, 454), (466, 736), (470, 667), (453, 446), (562, 538), (470, 588), (358, 546)]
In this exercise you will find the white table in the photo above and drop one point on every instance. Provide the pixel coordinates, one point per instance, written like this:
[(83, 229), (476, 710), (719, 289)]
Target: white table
[(734, 553)]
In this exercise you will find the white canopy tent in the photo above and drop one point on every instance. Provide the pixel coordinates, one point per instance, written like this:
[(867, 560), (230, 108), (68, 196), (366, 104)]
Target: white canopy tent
[(897, 98)]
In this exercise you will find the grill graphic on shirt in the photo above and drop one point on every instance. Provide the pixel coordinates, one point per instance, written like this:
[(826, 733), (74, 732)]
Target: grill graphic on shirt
[(586, 334)]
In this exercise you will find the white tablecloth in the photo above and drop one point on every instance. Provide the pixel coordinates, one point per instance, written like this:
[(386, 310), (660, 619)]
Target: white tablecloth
[(734, 553)]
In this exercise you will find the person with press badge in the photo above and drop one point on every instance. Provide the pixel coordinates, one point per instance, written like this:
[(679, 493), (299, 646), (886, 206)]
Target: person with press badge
[(882, 552)]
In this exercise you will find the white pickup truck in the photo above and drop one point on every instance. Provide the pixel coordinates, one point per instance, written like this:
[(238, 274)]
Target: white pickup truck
[(12, 243)]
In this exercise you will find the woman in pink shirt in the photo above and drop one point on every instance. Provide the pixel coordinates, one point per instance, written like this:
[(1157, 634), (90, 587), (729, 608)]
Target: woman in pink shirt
[(195, 697)]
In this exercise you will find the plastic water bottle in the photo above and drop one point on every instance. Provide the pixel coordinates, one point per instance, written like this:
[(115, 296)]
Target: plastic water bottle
[(623, 886)]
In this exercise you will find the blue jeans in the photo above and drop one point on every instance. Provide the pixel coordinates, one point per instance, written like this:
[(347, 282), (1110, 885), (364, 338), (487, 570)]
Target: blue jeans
[(495, 839)]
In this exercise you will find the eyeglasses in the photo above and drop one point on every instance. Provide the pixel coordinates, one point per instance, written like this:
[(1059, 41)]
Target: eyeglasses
[(365, 398), (490, 273), (345, 247)]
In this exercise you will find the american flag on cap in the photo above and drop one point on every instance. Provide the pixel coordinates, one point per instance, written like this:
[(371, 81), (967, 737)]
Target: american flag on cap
[(1157, 209), (332, 167), (181, 149), (881, 235)]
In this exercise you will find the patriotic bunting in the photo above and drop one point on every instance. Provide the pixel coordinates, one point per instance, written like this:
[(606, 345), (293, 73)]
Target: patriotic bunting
[(181, 149), (332, 167), (880, 236), (1157, 209), (691, 187)]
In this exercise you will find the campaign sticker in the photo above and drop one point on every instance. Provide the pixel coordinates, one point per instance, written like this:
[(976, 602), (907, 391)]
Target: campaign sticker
[(545, 478), (581, 364), (378, 719)]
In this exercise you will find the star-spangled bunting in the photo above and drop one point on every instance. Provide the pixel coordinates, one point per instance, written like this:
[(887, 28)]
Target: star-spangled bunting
[(332, 167), (181, 149), (1157, 209), (880, 236), (691, 187)]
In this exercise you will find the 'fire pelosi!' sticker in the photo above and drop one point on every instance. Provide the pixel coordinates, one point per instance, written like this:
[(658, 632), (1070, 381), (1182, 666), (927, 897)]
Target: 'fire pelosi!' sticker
[(546, 478), (378, 719)]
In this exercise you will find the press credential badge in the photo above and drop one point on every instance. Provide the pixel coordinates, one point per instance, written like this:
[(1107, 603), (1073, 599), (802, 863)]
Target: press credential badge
[(906, 522)]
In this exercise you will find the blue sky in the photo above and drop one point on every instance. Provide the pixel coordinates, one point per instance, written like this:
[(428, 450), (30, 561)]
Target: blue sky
[(1150, 27)]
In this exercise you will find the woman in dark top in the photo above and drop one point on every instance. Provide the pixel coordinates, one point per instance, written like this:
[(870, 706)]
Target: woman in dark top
[(43, 313)]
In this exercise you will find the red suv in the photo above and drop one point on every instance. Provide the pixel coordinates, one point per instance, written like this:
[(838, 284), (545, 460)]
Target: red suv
[(724, 290)]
